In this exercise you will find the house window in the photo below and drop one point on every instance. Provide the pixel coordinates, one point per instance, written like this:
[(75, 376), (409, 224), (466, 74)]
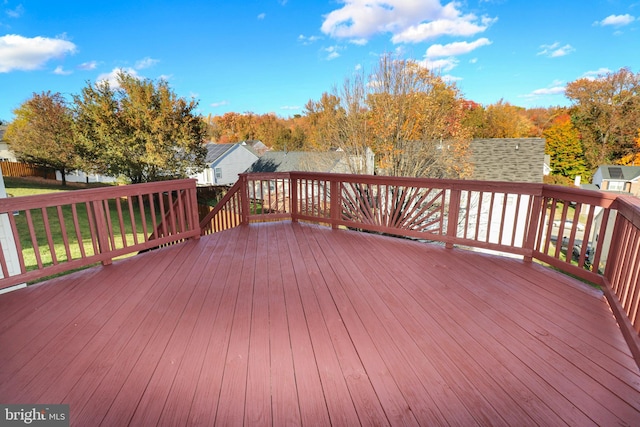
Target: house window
[(616, 186), (218, 173)]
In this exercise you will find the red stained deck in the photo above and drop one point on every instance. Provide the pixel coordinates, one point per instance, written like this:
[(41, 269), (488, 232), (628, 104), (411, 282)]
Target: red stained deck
[(287, 323)]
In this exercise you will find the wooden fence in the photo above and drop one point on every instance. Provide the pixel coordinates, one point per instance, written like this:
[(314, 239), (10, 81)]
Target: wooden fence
[(19, 170)]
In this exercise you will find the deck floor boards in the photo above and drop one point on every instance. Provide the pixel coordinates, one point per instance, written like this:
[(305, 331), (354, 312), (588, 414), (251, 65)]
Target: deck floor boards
[(287, 323)]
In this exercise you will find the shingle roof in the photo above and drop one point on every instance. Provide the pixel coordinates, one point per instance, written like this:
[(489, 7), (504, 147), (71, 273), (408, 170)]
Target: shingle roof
[(508, 159), (304, 161), (215, 151), (620, 173)]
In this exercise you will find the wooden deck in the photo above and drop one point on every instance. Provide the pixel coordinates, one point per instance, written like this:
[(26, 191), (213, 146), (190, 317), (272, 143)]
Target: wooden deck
[(283, 323)]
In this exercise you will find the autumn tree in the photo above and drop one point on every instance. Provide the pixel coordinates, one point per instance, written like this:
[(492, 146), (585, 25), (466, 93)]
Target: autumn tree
[(606, 112), (503, 120), (633, 158), (409, 116), (322, 117), (541, 119), (42, 133), (139, 129), (564, 148), (474, 118)]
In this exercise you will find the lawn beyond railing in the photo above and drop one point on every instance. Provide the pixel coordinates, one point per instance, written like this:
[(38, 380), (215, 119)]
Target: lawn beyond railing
[(590, 234), (52, 233)]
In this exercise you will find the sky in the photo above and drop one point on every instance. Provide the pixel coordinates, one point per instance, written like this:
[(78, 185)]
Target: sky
[(273, 56)]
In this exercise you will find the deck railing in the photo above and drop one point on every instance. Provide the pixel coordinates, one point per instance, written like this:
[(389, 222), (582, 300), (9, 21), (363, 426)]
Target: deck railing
[(564, 227), (589, 234), (52, 233)]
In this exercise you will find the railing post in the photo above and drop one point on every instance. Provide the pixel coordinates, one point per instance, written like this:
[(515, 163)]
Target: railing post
[(336, 202), (453, 216), (191, 207), (244, 199), (532, 227), (101, 229), (293, 197)]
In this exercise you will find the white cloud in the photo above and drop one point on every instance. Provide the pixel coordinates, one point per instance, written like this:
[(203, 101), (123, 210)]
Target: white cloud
[(359, 42), (15, 13), (333, 52), (595, 74), (460, 27), (61, 71), (555, 90), (145, 63), (440, 65), (408, 21), (23, 53), (454, 49), (448, 78), (262, 16), (112, 77), (87, 66), (219, 104), (616, 20), (290, 107), (555, 50), (556, 87), (308, 40)]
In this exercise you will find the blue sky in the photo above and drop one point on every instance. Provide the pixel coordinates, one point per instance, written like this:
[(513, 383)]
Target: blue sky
[(272, 56)]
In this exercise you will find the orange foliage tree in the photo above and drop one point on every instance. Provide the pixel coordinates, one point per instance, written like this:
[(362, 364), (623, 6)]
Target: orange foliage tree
[(410, 117), (633, 159), (564, 147)]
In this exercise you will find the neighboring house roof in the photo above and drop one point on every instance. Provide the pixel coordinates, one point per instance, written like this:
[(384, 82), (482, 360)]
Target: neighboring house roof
[(620, 173), (256, 146), (216, 151), (304, 161), (508, 159)]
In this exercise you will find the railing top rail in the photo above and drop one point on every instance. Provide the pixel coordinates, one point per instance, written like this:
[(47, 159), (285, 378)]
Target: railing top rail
[(12, 204), (594, 197), (515, 187), (266, 175), (629, 207)]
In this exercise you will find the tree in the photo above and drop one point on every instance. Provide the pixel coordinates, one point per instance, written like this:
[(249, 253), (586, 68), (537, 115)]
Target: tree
[(564, 147), (410, 118), (606, 112), (322, 117), (633, 159), (503, 120), (42, 133), (139, 129)]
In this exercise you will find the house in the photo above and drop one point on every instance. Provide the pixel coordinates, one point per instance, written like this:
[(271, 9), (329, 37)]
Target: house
[(612, 179), (85, 177), (307, 161), (256, 145), (508, 159), (6, 155), (225, 161), (504, 160), (623, 179)]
